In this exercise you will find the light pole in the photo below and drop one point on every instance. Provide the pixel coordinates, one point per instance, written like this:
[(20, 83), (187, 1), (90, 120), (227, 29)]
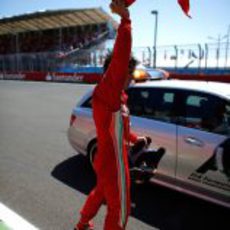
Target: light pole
[(227, 46), (218, 40), (155, 12)]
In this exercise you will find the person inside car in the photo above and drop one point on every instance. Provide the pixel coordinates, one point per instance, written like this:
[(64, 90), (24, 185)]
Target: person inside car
[(216, 120)]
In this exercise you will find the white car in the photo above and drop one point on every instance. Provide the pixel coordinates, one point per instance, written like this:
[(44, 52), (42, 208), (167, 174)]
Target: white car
[(189, 119)]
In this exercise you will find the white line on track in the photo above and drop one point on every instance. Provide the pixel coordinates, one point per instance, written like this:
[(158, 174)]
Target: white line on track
[(13, 220)]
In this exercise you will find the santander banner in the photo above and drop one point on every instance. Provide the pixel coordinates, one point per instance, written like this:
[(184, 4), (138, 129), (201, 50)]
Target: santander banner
[(89, 78), (93, 78)]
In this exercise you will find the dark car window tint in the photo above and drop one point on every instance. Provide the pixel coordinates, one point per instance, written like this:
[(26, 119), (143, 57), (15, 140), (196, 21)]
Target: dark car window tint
[(218, 121), (206, 112), (87, 103), (194, 110), (151, 103)]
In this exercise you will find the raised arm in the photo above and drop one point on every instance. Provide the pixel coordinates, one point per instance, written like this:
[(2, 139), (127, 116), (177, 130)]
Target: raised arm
[(110, 88)]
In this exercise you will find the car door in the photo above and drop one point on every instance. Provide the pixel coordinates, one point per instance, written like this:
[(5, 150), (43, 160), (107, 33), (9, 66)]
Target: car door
[(152, 115), (199, 136)]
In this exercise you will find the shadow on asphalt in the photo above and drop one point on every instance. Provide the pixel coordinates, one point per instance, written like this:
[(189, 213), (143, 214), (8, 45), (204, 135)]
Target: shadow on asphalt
[(156, 206), (77, 173)]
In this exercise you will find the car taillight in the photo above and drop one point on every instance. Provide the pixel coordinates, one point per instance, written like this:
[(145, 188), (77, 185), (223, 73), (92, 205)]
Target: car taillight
[(72, 119)]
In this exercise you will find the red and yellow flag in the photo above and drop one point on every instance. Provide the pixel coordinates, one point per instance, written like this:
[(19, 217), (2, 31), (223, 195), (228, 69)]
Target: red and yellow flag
[(129, 2), (185, 6)]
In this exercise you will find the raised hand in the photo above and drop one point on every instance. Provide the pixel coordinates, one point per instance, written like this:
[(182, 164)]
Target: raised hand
[(118, 7)]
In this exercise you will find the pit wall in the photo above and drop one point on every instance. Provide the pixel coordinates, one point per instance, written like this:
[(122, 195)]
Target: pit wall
[(92, 78), (201, 77), (89, 78)]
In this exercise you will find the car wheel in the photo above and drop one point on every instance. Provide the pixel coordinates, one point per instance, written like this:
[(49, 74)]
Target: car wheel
[(92, 151)]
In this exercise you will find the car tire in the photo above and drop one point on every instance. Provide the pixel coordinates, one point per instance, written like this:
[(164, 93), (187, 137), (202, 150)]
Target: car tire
[(92, 151)]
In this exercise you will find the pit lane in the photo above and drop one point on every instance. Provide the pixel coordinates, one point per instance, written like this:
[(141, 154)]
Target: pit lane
[(43, 180)]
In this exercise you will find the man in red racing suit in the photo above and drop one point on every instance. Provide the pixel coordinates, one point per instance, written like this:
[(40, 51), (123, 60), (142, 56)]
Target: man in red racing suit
[(113, 135), (112, 126)]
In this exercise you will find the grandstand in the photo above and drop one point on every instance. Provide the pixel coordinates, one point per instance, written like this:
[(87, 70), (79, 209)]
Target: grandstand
[(39, 41), (75, 41)]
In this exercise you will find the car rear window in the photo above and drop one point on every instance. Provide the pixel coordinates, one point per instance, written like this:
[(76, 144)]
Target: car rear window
[(87, 103)]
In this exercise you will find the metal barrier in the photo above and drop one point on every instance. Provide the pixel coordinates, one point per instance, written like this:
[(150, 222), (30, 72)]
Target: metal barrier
[(186, 57), (212, 55)]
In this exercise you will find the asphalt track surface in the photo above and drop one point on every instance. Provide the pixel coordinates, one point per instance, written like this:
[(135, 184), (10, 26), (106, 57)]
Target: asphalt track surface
[(46, 182)]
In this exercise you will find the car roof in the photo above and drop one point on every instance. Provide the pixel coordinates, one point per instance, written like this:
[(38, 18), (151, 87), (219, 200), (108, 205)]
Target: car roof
[(216, 88)]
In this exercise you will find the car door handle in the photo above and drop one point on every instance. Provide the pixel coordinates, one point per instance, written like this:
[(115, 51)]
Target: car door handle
[(194, 141)]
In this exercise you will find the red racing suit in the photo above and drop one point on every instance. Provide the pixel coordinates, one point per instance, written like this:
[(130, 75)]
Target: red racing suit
[(112, 126)]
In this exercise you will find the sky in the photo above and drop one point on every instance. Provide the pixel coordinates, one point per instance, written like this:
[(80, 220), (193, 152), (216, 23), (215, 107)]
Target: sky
[(210, 18)]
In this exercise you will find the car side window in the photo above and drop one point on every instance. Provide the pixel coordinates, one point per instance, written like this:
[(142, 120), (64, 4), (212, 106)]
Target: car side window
[(219, 119), (151, 103), (207, 112)]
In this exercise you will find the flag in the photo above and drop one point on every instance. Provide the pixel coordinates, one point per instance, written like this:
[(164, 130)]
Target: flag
[(185, 6), (129, 2)]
